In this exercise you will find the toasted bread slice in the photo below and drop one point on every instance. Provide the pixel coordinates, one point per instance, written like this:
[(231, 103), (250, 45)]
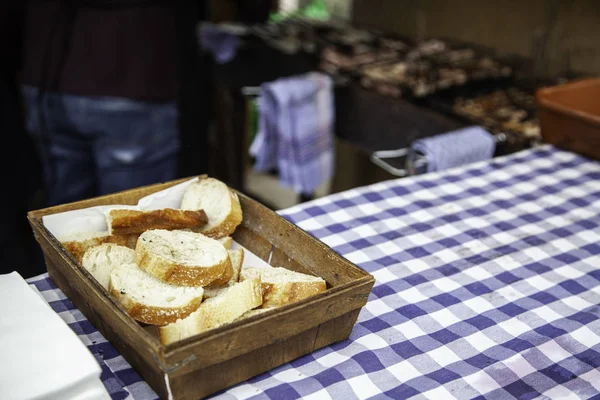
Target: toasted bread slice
[(101, 260), (150, 300), (237, 259), (80, 242), (281, 286), (181, 257), (212, 313), (127, 222), (221, 205)]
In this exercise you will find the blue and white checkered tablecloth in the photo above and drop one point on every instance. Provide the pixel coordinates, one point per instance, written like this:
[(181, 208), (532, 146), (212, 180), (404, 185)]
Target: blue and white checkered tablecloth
[(488, 286)]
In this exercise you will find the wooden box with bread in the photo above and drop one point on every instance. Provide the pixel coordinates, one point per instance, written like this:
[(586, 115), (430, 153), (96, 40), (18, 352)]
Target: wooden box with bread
[(202, 291)]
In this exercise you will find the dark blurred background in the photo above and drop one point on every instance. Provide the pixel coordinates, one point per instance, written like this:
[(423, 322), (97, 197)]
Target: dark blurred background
[(544, 41)]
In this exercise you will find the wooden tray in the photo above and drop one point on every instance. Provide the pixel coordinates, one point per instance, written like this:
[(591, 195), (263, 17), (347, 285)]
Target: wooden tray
[(206, 363)]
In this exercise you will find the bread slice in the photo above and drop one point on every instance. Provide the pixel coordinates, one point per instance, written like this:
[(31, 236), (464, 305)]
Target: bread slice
[(281, 286), (79, 242), (150, 300), (221, 205), (226, 242), (127, 222), (212, 313), (101, 260), (181, 257), (237, 259)]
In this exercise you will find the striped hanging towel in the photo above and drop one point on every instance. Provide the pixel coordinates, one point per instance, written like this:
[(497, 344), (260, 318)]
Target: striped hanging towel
[(295, 132)]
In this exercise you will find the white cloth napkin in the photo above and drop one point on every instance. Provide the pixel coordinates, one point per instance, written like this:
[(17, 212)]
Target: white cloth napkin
[(40, 356)]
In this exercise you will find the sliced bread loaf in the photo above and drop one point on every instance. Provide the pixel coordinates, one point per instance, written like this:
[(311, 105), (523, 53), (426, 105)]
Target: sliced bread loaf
[(150, 300), (181, 257), (101, 260), (221, 205), (212, 313), (126, 221), (282, 286), (237, 259), (79, 242)]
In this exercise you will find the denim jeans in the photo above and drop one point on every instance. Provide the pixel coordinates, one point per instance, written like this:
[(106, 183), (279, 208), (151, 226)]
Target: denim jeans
[(98, 145)]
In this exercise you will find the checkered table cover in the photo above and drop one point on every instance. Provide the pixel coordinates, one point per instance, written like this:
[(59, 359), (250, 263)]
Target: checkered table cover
[(488, 286)]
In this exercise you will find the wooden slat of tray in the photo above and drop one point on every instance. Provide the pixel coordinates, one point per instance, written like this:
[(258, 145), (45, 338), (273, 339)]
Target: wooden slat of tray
[(239, 369), (262, 330)]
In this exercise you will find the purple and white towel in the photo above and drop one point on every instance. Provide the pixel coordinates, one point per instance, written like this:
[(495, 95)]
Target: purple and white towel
[(455, 148), (295, 132)]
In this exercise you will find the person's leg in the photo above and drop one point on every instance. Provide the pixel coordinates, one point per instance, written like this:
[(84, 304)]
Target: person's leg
[(66, 150), (137, 143)]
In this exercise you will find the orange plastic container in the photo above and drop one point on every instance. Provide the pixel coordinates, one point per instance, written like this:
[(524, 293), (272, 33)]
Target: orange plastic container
[(569, 116)]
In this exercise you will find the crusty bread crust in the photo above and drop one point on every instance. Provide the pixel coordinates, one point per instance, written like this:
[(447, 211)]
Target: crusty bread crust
[(175, 273), (213, 289), (225, 277), (126, 222), (281, 294), (215, 312), (230, 223), (78, 247), (154, 315), (286, 292), (231, 275)]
